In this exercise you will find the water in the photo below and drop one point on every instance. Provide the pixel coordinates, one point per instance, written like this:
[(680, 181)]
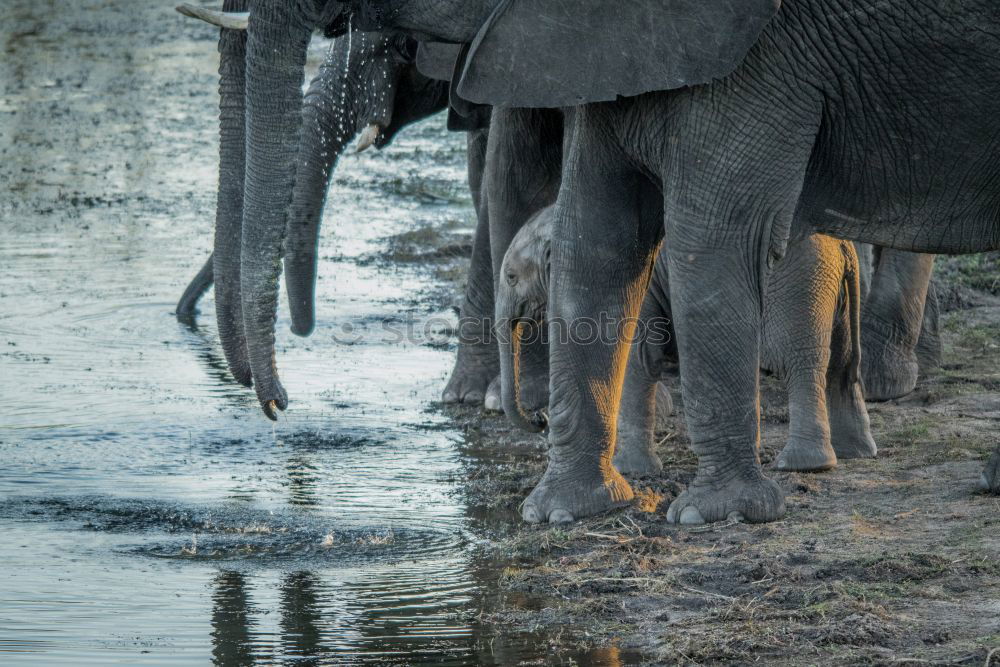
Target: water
[(149, 513)]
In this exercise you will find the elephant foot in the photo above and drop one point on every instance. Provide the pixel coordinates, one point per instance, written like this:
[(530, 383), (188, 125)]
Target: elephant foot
[(563, 497), (887, 372), (473, 372), (806, 455), (854, 444), (751, 497), (990, 479), (493, 402), (534, 394), (850, 428), (634, 454)]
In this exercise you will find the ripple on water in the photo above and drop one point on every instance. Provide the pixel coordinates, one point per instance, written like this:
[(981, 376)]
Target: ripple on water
[(236, 532)]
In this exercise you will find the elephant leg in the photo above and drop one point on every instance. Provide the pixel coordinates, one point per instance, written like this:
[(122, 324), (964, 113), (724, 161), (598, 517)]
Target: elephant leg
[(929, 345), (850, 428), (604, 220), (642, 402), (891, 323), (522, 176), (477, 363), (799, 311), (717, 320), (731, 187), (990, 480)]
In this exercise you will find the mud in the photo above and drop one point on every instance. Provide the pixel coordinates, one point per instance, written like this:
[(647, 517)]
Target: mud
[(887, 561), (150, 514)]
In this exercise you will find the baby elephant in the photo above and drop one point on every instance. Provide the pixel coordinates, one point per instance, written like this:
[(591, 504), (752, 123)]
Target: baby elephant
[(810, 340)]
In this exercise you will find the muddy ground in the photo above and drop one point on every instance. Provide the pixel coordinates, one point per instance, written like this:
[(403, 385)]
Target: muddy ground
[(888, 561), (894, 560)]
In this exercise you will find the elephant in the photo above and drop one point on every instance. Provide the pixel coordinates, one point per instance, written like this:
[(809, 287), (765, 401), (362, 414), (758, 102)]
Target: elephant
[(746, 123), (187, 305), (900, 334), (811, 339), (369, 85)]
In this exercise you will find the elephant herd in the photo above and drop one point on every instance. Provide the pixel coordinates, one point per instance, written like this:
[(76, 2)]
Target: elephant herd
[(653, 180)]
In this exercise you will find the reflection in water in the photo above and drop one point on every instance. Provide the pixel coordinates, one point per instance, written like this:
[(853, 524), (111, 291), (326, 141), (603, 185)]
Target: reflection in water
[(303, 479), (315, 629), (231, 621), (300, 616)]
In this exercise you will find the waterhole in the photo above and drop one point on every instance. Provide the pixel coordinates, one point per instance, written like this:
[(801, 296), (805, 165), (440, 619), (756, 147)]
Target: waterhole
[(149, 513)]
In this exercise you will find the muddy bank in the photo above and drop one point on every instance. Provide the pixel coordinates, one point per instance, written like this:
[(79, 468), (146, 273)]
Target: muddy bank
[(894, 560)]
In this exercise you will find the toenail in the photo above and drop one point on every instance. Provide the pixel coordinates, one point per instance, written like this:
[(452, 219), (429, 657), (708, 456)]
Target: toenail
[(560, 516), (691, 516), (530, 514)]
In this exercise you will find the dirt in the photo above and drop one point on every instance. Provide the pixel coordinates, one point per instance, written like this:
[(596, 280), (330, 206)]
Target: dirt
[(885, 561)]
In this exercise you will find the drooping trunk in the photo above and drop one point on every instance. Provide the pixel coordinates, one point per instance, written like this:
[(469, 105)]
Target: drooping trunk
[(329, 123), (194, 291), (516, 342), (278, 36), (229, 206)]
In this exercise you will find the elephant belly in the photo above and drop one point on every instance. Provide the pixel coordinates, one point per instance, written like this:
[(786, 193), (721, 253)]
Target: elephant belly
[(907, 153)]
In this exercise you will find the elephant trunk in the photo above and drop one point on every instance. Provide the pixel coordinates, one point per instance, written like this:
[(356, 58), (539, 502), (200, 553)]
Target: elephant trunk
[(229, 205), (196, 288), (330, 118), (278, 36), (513, 341)]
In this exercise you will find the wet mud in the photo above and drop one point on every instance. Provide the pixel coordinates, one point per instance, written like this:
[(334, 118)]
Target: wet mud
[(150, 514)]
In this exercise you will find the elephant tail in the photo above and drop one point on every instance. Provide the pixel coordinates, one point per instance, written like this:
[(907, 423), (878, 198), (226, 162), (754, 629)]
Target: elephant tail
[(852, 290)]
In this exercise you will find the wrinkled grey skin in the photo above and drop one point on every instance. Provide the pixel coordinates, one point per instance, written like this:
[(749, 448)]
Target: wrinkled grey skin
[(810, 340), (366, 79), (522, 177), (900, 334), (874, 123), (187, 305)]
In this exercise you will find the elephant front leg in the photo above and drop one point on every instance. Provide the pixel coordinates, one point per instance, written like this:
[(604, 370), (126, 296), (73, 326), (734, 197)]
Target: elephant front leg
[(589, 347), (477, 362), (644, 398), (603, 244), (715, 299)]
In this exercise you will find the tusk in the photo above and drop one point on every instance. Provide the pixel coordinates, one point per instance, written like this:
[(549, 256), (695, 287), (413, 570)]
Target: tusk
[(367, 138), (231, 20)]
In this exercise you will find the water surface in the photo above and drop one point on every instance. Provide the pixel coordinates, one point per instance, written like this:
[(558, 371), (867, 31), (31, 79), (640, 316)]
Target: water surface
[(149, 513)]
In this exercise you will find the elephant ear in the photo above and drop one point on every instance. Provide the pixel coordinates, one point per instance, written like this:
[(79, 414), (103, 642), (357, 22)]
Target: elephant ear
[(548, 53), (436, 60)]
